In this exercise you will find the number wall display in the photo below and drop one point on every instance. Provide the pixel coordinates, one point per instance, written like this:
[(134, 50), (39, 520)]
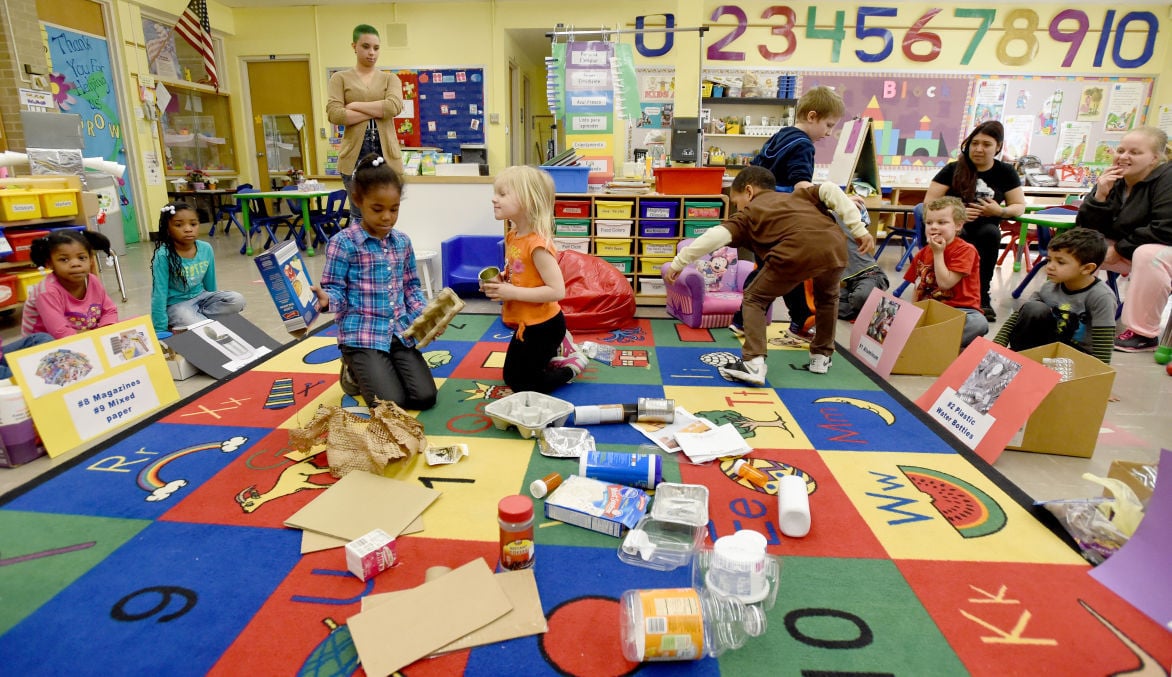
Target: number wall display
[(1019, 37)]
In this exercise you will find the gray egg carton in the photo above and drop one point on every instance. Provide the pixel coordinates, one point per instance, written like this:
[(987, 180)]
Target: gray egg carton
[(529, 411)]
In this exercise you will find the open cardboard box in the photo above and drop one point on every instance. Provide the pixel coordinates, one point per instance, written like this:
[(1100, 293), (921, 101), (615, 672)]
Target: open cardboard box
[(1139, 476), (1067, 422), (934, 343)]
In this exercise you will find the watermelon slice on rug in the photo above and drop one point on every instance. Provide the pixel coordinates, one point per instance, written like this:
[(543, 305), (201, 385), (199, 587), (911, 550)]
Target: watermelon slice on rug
[(970, 511)]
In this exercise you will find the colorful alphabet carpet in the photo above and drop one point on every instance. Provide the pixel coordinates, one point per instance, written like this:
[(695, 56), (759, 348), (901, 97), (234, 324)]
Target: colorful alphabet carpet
[(164, 551)]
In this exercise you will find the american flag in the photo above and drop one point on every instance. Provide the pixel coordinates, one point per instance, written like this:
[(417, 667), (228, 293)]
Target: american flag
[(194, 28)]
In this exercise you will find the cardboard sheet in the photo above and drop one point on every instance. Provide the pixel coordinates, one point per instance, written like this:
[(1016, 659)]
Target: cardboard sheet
[(360, 502), (421, 620), (311, 541), (525, 619), (224, 346)]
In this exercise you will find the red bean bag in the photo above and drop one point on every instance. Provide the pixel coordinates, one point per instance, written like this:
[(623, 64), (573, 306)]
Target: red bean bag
[(598, 297)]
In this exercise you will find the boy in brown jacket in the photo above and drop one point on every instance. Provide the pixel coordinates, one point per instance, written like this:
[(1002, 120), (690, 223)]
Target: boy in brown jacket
[(795, 238)]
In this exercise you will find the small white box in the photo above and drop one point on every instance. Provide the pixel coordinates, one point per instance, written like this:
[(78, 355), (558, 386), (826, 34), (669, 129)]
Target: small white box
[(370, 554), (652, 286), (612, 228), (572, 244), (284, 272), (180, 368), (596, 505)]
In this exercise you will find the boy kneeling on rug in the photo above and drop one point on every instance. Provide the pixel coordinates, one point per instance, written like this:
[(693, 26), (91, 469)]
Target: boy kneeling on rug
[(796, 238)]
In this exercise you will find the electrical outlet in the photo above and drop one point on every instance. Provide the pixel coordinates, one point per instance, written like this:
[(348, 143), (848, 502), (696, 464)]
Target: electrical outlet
[(494, 118)]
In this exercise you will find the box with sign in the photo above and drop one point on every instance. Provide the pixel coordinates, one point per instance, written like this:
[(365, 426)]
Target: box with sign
[(1067, 422), (934, 343), (285, 274)]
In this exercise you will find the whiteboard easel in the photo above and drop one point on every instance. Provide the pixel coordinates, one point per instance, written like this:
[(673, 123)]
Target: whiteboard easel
[(854, 157)]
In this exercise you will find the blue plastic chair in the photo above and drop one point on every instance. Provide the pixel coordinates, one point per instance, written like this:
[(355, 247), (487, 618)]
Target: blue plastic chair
[(326, 223), (260, 220), (910, 238), (228, 211), (464, 256)]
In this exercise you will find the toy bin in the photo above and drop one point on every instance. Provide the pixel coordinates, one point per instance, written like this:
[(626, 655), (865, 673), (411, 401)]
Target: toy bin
[(571, 227), (572, 244), (652, 286), (625, 264), (651, 265), (56, 203), (8, 290), (658, 228), (25, 281), (613, 209), (702, 209), (569, 179), (18, 205), (658, 247), (608, 247), (689, 180), (606, 228), (696, 228), (659, 209), (571, 209), (22, 242)]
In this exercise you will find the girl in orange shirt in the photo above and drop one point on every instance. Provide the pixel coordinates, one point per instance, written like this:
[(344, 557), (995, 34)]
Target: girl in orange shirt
[(541, 355)]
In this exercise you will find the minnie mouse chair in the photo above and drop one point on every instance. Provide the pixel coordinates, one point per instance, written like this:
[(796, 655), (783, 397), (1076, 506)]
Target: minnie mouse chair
[(708, 291)]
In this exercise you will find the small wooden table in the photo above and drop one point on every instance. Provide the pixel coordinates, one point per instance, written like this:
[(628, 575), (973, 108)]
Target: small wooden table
[(302, 196)]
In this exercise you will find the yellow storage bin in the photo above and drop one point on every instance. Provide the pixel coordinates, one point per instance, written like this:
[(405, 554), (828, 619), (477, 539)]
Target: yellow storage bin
[(25, 280), (613, 209), (18, 205), (58, 203), (658, 247), (608, 247), (650, 265)]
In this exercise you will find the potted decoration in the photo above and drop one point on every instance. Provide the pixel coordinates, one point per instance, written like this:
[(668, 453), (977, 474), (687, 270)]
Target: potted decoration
[(198, 179)]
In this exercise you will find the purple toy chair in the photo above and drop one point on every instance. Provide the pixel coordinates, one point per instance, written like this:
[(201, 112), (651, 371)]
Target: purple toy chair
[(708, 292)]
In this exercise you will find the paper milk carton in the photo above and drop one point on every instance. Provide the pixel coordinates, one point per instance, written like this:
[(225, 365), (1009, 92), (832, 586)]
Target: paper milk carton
[(284, 271), (370, 554)]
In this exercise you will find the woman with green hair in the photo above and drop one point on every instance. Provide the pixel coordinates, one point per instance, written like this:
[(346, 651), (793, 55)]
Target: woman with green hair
[(365, 100)]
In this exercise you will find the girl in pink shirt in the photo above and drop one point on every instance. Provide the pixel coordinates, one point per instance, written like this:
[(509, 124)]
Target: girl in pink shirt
[(72, 299)]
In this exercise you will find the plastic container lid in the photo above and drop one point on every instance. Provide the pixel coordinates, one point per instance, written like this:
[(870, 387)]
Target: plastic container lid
[(515, 508)]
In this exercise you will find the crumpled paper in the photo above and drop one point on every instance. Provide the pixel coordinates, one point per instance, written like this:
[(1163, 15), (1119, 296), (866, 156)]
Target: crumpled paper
[(357, 443)]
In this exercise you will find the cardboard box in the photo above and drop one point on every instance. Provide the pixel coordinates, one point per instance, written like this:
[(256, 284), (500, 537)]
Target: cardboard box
[(1141, 477), (934, 343), (284, 271), (370, 554), (1067, 422), (180, 368), (596, 505)]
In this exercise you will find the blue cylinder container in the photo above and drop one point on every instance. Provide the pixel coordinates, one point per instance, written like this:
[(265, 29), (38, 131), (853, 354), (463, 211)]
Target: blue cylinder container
[(633, 470)]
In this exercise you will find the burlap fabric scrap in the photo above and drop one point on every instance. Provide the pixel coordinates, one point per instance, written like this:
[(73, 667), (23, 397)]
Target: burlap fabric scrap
[(356, 443)]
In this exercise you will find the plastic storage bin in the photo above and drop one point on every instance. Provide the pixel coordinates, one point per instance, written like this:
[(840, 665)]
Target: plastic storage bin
[(25, 280), (56, 203), (689, 180), (625, 264), (22, 242), (652, 286), (609, 247), (613, 209), (572, 244), (572, 209), (18, 205), (570, 179), (657, 247), (697, 228), (702, 209), (603, 228), (659, 228), (651, 265), (8, 290), (659, 209), (571, 227)]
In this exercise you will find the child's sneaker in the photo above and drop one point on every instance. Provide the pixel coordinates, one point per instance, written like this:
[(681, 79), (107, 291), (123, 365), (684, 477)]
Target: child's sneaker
[(752, 371), (796, 332), (737, 330), (819, 364), (1131, 342), (567, 347), (349, 386), (575, 362)]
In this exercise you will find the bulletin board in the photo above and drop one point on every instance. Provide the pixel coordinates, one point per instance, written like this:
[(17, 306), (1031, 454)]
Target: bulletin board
[(1076, 120)]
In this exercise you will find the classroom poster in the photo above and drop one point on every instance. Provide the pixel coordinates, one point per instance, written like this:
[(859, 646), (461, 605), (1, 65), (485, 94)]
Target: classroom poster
[(589, 101), (1123, 107), (989, 100), (1019, 129), (987, 395), (162, 59), (1073, 143), (882, 330), (407, 121), (83, 386), (1090, 102)]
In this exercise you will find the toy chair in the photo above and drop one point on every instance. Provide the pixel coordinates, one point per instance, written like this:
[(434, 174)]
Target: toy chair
[(1012, 230), (228, 211), (464, 256), (910, 238), (709, 290)]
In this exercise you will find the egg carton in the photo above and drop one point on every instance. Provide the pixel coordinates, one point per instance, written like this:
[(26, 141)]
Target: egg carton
[(529, 411), (435, 317)]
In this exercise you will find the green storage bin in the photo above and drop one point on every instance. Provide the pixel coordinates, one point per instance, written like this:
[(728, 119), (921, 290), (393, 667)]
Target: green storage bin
[(625, 264), (696, 227), (703, 209), (571, 227)]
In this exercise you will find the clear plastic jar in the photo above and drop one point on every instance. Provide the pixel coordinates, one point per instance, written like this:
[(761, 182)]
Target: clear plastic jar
[(680, 624)]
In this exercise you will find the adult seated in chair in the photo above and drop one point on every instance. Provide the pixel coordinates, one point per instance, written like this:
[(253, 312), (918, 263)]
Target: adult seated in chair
[(709, 290)]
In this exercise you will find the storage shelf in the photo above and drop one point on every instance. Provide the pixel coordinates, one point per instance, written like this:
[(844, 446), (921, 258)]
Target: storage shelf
[(738, 136), (41, 222), (756, 101)]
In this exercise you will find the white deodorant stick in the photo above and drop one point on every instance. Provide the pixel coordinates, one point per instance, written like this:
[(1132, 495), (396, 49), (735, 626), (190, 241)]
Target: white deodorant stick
[(793, 506)]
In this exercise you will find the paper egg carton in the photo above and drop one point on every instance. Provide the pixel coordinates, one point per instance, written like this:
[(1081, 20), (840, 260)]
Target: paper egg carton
[(445, 306), (530, 412)]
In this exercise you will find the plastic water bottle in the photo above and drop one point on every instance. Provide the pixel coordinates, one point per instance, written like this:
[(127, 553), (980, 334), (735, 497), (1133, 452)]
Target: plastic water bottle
[(680, 624)]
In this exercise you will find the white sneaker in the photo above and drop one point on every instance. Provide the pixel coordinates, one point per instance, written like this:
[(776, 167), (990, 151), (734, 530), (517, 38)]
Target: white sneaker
[(752, 371), (819, 364)]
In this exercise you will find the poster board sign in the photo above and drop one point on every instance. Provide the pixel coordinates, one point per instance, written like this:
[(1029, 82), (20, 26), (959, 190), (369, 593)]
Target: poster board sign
[(986, 395), (84, 386), (854, 157), (223, 346), (882, 330)]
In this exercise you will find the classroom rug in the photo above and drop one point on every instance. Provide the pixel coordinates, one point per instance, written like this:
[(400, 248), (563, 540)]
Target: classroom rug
[(164, 552)]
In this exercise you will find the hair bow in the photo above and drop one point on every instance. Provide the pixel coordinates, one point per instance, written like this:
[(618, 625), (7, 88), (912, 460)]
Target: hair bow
[(169, 209), (377, 161)]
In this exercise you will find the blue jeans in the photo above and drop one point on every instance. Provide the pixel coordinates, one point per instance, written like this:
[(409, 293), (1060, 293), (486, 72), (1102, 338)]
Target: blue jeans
[(975, 325), (20, 344), (208, 305)]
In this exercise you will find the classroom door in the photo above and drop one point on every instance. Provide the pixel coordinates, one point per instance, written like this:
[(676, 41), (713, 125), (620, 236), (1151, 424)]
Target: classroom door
[(282, 113)]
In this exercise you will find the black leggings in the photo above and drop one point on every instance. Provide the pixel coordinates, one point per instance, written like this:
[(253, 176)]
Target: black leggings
[(401, 376), (527, 360), (986, 237)]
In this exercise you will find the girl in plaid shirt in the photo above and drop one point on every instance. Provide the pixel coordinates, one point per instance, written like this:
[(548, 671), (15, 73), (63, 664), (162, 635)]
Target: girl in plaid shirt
[(371, 284), (532, 285)]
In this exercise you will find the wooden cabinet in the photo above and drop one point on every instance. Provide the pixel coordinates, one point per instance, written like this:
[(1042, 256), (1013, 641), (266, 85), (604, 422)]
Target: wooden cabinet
[(636, 234)]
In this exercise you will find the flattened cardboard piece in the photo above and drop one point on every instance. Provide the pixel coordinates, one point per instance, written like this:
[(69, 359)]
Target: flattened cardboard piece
[(420, 620), (525, 619), (311, 541), (1138, 572), (934, 343), (986, 395), (222, 346), (882, 330), (1067, 422), (361, 502)]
